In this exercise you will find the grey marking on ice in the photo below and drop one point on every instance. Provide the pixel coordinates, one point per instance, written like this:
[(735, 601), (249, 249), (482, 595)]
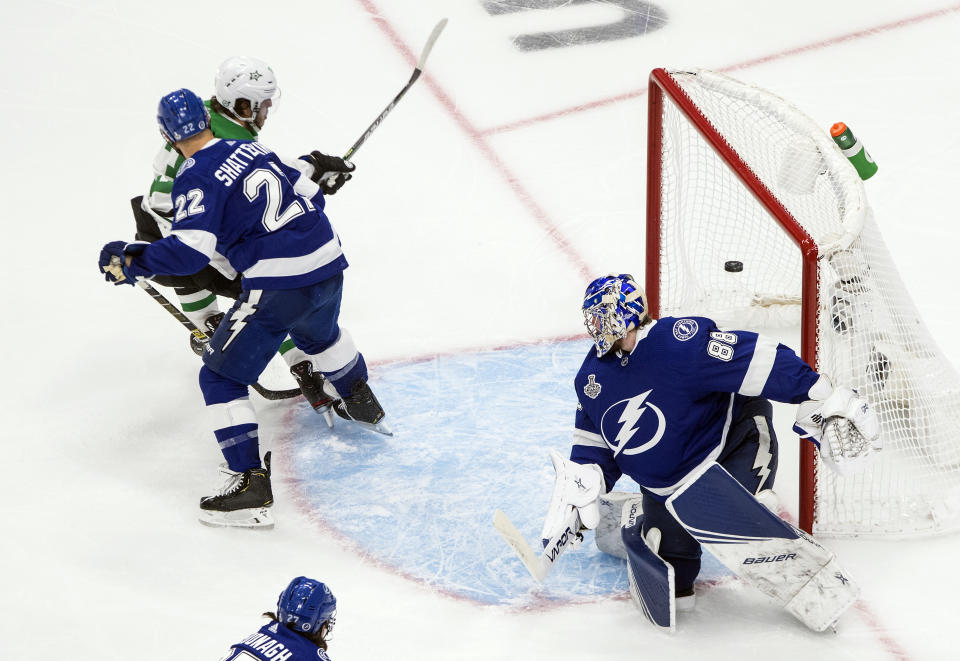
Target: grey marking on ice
[(639, 18)]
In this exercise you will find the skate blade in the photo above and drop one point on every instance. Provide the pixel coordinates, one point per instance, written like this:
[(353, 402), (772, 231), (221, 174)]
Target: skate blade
[(327, 413), (255, 517), (380, 427)]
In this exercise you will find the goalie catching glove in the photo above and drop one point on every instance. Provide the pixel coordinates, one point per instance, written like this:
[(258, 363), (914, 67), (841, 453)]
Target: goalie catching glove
[(577, 487), (842, 426)]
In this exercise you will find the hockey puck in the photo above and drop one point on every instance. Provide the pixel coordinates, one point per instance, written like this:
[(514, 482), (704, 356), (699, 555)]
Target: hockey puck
[(733, 266)]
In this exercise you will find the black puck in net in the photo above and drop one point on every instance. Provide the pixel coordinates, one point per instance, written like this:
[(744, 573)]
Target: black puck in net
[(733, 266)]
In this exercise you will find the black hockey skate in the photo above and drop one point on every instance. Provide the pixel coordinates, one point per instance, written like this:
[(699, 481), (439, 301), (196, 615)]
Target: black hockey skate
[(361, 406), (242, 502), (311, 385), (211, 322)]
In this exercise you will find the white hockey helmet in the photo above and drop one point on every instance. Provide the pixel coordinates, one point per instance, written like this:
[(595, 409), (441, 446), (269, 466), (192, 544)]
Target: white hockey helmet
[(242, 77)]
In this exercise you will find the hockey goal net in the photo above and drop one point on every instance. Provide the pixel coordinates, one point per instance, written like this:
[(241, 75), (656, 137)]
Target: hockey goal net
[(756, 219)]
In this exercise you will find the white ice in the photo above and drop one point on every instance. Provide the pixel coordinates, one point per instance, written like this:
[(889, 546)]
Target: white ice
[(481, 207)]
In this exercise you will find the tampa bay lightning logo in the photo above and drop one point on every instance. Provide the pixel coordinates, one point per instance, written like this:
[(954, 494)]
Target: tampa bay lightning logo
[(628, 420), (684, 329)]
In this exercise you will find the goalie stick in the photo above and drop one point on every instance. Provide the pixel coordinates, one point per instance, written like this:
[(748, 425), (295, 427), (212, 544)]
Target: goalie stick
[(539, 565), (416, 74)]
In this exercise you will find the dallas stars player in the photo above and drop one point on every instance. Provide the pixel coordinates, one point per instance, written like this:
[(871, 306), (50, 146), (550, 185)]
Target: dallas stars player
[(245, 89)]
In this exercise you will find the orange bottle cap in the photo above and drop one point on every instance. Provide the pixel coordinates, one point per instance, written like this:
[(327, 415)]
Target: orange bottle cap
[(837, 129)]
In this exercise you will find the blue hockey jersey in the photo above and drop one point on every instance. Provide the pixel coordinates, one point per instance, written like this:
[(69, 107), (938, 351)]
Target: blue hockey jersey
[(236, 198), (661, 411), (275, 643)]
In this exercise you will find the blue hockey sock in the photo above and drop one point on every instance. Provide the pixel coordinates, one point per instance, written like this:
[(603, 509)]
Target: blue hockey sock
[(343, 379), (236, 421), (240, 446)]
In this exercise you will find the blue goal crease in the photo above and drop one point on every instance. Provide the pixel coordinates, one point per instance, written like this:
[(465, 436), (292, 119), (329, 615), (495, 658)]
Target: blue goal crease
[(471, 435)]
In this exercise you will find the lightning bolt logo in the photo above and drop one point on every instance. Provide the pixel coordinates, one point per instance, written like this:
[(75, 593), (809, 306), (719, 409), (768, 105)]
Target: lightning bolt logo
[(238, 320), (633, 409), (631, 414), (762, 461)]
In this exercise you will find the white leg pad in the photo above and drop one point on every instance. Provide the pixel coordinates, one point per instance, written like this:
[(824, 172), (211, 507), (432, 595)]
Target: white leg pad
[(763, 549), (824, 598)]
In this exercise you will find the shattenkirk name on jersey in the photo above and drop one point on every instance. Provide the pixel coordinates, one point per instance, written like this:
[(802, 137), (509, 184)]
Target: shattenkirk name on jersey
[(236, 163)]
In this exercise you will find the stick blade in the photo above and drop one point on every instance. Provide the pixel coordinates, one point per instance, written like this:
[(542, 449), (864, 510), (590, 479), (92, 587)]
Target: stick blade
[(512, 536), (438, 28)]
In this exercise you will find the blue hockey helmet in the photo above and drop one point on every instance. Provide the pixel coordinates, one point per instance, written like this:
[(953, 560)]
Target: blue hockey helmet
[(613, 305), (306, 604), (181, 114)]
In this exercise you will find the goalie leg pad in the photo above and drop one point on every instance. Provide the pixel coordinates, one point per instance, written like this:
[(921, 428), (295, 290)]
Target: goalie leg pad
[(762, 549), (825, 597), (676, 546), (651, 579)]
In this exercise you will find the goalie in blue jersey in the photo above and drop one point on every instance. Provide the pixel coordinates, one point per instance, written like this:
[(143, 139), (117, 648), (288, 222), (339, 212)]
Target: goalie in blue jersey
[(298, 631), (681, 407), (237, 199)]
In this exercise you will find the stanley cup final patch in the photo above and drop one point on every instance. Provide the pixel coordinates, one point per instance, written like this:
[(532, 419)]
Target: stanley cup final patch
[(592, 389)]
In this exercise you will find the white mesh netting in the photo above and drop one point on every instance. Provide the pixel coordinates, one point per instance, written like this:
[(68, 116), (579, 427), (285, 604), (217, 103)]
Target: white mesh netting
[(869, 335)]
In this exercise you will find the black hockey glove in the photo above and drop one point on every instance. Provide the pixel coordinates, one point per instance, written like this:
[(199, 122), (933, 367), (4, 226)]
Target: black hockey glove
[(331, 172)]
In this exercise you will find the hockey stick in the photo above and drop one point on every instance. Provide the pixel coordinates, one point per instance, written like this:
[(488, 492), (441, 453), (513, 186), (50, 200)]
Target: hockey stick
[(416, 74), (539, 566), (266, 393)]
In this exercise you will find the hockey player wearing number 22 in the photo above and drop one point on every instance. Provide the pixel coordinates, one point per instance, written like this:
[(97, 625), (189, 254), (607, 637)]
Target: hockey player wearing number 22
[(238, 199), (682, 408)]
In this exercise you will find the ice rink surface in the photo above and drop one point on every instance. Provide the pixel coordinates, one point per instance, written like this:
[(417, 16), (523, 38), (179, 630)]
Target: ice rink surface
[(511, 174)]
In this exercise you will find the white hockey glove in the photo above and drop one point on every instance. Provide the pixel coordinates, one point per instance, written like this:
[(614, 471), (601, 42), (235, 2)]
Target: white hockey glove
[(576, 487), (842, 425)]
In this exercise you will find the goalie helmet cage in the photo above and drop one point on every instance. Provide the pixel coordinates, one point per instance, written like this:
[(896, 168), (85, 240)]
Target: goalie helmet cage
[(737, 174)]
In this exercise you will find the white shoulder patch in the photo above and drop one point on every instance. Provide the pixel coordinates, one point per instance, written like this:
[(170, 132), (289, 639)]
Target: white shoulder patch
[(186, 165), (684, 329)]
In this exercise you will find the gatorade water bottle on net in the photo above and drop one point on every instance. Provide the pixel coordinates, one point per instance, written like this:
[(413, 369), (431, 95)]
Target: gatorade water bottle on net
[(853, 150)]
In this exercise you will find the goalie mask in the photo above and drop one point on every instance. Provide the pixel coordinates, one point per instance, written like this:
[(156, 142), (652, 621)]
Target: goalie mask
[(305, 605), (612, 306)]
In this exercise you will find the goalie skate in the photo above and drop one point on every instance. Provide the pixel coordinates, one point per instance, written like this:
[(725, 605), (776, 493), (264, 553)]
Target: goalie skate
[(242, 502)]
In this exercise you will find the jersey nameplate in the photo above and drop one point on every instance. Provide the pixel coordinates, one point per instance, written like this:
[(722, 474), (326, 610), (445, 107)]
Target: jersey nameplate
[(236, 163)]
